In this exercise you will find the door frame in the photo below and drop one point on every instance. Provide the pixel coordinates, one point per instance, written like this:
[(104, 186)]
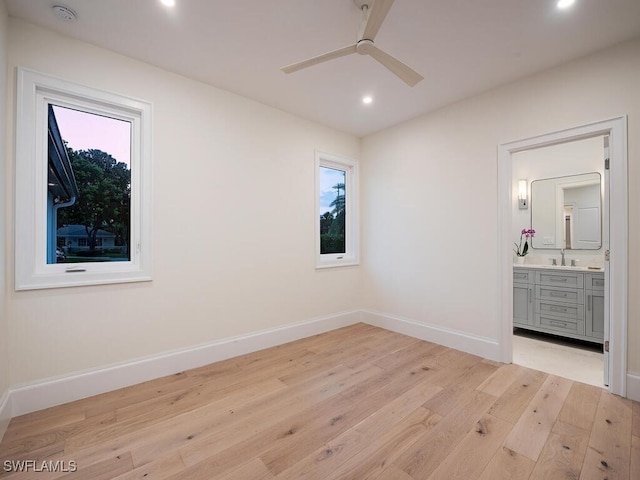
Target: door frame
[(616, 290)]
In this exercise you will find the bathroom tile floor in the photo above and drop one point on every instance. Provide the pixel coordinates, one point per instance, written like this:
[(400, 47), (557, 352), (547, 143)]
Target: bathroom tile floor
[(578, 361)]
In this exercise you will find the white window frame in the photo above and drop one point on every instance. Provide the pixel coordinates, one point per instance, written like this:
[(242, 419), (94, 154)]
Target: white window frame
[(34, 92), (350, 167)]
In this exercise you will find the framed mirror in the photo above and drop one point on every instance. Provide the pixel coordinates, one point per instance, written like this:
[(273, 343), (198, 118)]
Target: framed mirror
[(566, 212)]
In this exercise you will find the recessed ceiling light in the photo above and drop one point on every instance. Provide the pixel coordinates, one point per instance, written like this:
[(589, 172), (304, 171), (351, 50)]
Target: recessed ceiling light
[(565, 3), (168, 3), (65, 13), (367, 100)]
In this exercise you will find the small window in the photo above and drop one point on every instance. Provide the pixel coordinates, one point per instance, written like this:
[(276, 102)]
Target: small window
[(336, 199), (83, 185)]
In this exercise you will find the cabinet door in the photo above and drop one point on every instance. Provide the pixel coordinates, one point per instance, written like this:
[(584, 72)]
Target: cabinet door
[(522, 305), (594, 315)]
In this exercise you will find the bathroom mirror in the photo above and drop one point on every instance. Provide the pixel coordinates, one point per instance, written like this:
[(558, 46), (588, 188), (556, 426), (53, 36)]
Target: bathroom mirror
[(566, 212)]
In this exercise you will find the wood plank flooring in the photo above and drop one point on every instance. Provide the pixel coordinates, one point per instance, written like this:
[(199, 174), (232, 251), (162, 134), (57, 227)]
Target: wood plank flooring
[(355, 403)]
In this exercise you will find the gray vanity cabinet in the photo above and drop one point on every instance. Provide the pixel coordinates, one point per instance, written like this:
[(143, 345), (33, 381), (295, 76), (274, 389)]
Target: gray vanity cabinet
[(562, 302), (522, 298), (594, 311)]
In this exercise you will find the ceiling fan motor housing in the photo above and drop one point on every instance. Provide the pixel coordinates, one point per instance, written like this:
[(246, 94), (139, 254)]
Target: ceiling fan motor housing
[(364, 46)]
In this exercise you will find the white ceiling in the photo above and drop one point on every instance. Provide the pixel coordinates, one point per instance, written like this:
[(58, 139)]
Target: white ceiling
[(461, 47)]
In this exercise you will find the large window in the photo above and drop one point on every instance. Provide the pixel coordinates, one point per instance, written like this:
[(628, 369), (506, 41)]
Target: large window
[(83, 185), (336, 199), (92, 154)]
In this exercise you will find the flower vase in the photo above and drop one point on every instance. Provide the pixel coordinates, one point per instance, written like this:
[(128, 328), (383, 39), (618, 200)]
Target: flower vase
[(519, 260)]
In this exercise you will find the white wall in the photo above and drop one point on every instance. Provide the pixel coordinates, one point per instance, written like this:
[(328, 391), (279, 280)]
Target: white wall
[(234, 211), (4, 325), (429, 187), (233, 223)]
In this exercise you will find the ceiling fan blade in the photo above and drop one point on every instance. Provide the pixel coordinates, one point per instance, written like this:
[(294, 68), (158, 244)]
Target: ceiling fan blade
[(405, 73), (375, 17), (341, 52)]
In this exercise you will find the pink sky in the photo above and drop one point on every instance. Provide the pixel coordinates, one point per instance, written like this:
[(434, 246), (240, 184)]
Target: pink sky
[(84, 131)]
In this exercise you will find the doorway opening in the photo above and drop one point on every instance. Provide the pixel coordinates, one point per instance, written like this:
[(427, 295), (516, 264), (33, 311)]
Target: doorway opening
[(614, 241), (558, 327)]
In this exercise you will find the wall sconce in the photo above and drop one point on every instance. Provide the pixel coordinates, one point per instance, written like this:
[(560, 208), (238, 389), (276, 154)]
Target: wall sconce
[(523, 201)]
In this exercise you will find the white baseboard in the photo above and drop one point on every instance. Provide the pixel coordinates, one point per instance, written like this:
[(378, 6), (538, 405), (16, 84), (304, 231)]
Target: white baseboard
[(78, 385), (5, 412), (75, 386), (633, 386), (476, 345)]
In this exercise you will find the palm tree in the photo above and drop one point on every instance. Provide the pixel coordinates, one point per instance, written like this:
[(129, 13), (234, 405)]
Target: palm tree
[(339, 202)]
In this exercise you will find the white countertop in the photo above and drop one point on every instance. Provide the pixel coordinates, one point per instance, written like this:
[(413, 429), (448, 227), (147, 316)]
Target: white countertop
[(559, 267)]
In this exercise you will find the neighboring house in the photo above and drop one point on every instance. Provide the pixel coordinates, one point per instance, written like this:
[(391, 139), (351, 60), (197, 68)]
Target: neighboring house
[(75, 237), (62, 189)]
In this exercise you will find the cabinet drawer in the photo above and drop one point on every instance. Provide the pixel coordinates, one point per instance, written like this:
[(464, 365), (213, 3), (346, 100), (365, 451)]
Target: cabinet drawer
[(566, 311), (594, 282), (523, 276), (561, 325), (558, 294), (560, 279)]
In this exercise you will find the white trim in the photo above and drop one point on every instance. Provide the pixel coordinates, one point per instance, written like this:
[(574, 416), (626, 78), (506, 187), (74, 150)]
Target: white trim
[(476, 345), (350, 167), (633, 386), (78, 385), (617, 130), (75, 386), (5, 412), (34, 92)]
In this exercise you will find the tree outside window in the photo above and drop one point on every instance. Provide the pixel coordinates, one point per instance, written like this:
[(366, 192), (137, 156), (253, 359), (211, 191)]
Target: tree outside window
[(333, 220)]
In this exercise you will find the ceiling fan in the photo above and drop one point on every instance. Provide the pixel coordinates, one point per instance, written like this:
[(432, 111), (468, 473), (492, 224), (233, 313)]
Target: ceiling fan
[(371, 23)]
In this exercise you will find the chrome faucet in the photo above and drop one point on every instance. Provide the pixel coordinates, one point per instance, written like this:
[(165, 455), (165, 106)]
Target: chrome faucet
[(562, 261)]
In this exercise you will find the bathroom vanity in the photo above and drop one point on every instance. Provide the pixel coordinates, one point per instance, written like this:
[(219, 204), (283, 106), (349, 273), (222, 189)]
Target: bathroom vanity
[(565, 301)]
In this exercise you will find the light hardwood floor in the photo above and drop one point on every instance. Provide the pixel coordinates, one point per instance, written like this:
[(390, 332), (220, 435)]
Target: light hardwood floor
[(356, 403)]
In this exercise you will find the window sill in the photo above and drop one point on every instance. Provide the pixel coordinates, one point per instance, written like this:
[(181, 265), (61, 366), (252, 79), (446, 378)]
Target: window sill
[(347, 262)]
